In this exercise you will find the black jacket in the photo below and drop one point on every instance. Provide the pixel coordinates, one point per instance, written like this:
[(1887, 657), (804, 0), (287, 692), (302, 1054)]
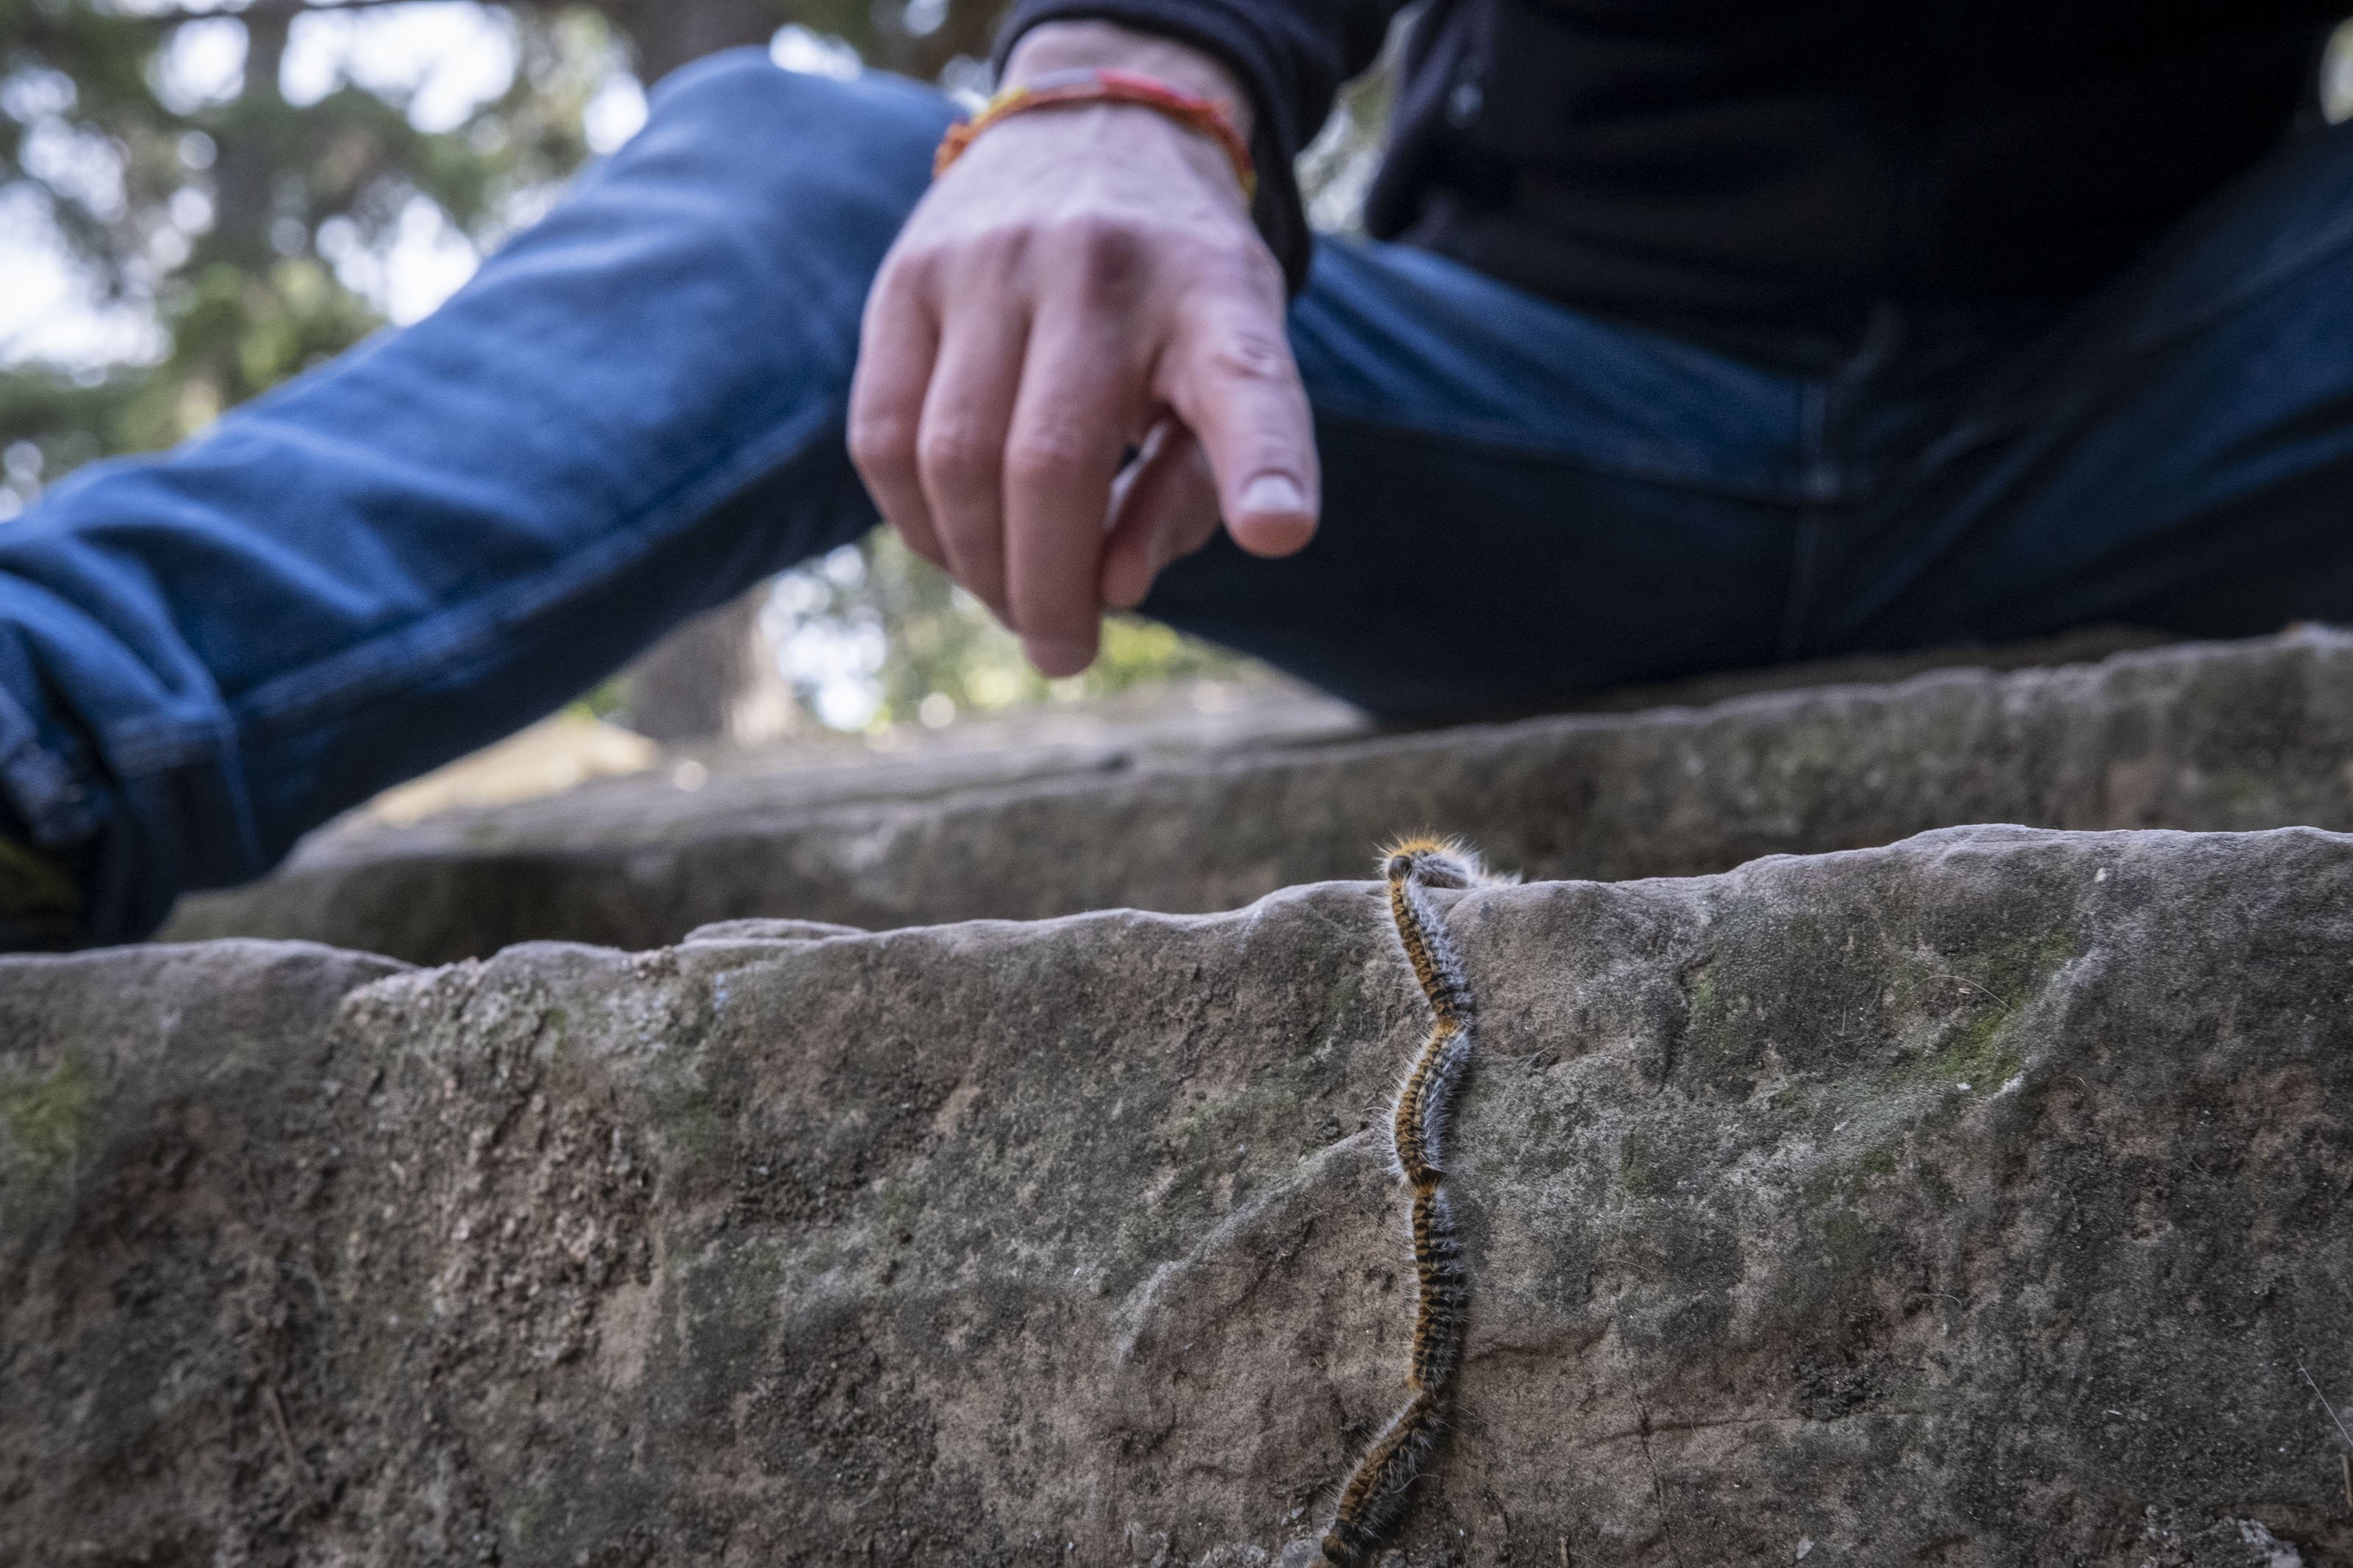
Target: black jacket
[(1770, 161)]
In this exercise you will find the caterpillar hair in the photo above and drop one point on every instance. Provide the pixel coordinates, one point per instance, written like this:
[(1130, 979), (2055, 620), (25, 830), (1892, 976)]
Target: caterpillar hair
[(1374, 1499), (1442, 1294), (1417, 1121), (1440, 863)]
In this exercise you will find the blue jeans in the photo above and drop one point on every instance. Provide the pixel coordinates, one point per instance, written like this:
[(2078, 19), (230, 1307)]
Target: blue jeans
[(634, 410)]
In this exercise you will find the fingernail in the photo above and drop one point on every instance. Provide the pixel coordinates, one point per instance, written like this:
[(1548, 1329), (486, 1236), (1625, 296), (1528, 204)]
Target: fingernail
[(1273, 492), (1058, 659)]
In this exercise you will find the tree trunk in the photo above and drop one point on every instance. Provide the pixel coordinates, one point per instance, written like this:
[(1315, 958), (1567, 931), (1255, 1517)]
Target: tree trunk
[(714, 678), (246, 174), (667, 34)]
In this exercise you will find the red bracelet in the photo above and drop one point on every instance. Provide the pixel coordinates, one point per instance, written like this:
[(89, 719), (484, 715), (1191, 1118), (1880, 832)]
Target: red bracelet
[(1087, 85)]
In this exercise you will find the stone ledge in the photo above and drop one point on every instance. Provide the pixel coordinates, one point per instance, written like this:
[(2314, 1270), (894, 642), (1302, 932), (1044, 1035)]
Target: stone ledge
[(1972, 1201), (2208, 737)]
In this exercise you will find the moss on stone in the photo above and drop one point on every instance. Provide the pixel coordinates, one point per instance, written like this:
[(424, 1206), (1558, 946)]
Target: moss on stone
[(1978, 1051), (1638, 1165), (46, 1116), (1847, 1241)]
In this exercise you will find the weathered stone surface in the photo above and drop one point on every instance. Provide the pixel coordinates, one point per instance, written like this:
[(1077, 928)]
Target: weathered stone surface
[(1970, 1202), (2231, 736)]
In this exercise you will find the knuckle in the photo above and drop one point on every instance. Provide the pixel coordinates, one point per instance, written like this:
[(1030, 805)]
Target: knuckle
[(1249, 354), (912, 266), (958, 454), (1109, 249), (1039, 459), (881, 444), (900, 287), (946, 267), (995, 257), (1241, 267)]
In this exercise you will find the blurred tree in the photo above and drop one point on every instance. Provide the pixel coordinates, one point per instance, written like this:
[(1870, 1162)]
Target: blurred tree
[(918, 39), (162, 147), (244, 214)]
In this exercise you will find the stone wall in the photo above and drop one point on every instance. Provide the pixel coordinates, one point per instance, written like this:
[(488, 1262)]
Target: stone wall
[(1977, 1201)]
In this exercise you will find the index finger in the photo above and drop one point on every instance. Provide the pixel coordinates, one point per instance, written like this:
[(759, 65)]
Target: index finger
[(1230, 376)]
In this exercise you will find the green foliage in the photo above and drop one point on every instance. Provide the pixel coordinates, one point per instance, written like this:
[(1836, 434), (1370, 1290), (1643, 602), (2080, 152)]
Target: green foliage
[(1337, 167), (605, 700), (939, 642)]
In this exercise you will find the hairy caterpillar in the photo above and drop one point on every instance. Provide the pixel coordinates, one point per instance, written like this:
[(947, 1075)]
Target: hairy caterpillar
[(1375, 1495)]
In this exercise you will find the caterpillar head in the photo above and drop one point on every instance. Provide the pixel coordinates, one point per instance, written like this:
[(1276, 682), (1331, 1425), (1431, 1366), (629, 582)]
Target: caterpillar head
[(1437, 863)]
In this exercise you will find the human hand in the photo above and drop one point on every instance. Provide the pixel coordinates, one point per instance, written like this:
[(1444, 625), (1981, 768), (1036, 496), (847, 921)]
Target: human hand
[(1083, 283)]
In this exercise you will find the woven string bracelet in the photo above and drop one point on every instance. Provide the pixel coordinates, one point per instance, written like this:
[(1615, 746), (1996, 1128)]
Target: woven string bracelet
[(1086, 85)]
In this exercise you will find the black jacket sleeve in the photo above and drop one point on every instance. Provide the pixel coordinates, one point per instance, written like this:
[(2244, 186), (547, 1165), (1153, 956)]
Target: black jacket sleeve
[(1292, 57)]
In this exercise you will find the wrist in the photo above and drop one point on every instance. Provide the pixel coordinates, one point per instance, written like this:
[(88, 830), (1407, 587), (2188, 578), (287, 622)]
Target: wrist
[(1067, 46)]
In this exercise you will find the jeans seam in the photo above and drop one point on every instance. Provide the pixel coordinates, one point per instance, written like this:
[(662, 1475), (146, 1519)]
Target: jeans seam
[(368, 669), (1972, 431), (2246, 292), (1797, 593), (149, 743), (56, 806), (1829, 484)]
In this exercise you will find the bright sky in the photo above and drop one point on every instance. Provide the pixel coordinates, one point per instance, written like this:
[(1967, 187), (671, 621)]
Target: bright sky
[(444, 57)]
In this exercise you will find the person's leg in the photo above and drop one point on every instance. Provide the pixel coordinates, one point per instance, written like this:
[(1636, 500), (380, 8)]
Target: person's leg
[(636, 409), (2176, 453), (632, 412), (1521, 503)]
